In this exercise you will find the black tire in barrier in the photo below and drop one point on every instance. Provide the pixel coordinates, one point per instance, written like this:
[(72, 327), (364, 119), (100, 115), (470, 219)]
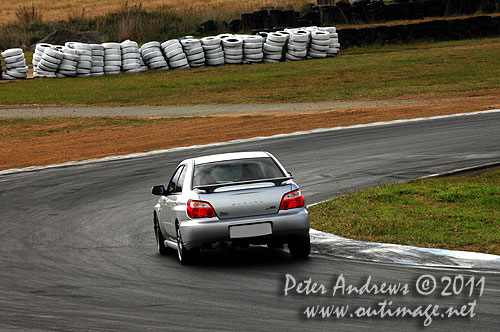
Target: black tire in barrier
[(392, 11), (247, 21)]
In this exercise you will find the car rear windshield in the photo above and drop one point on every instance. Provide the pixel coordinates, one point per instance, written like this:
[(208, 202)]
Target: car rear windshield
[(229, 171)]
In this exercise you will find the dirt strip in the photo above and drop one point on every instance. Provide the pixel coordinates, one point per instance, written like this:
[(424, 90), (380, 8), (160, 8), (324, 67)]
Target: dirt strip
[(26, 112), (57, 147), (44, 111)]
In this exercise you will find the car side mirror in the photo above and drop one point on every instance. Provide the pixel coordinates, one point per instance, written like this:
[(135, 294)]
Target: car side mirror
[(159, 190), (289, 174)]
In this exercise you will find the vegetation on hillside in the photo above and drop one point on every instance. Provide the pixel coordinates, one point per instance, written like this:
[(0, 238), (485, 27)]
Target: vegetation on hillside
[(24, 22)]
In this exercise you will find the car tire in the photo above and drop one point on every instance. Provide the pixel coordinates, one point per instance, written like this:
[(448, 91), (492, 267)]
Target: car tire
[(160, 240), (300, 246), (186, 257)]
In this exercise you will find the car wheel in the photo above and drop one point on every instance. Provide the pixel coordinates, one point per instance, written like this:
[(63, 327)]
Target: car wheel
[(300, 247), (160, 240), (186, 257)]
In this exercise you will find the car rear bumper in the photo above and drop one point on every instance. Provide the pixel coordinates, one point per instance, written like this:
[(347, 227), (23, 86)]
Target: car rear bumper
[(286, 223)]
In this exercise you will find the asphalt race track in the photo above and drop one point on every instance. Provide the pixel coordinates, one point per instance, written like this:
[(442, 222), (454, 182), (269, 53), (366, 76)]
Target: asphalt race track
[(78, 253)]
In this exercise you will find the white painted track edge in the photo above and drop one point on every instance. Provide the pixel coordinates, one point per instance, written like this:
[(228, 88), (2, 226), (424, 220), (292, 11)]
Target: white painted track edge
[(258, 138)]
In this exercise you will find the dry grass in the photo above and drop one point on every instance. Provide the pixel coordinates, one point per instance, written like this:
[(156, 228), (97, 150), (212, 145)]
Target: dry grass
[(28, 14), (57, 10)]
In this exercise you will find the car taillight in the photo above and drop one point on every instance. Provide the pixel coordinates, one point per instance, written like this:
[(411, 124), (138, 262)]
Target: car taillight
[(292, 200), (199, 209)]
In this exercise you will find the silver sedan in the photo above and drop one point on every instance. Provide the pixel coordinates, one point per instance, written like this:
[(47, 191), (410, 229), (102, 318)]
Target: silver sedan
[(233, 199)]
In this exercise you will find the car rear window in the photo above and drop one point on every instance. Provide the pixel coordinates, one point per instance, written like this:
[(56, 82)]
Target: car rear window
[(235, 171)]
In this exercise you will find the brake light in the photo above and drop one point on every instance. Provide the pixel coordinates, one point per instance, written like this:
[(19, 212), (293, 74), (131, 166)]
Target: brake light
[(292, 200), (199, 209)]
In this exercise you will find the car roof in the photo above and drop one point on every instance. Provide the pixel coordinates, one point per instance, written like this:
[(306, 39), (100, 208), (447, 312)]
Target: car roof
[(230, 156)]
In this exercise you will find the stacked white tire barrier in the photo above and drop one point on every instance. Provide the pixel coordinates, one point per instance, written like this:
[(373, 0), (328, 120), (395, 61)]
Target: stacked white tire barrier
[(15, 64), (48, 65), (37, 56), (223, 36), (273, 47), (297, 45), (143, 67), (130, 57), (252, 49), (233, 50), (175, 54), (334, 45), (153, 57), (214, 54), (84, 65), (97, 68), (194, 52), (69, 63), (320, 43), (263, 34), (112, 58)]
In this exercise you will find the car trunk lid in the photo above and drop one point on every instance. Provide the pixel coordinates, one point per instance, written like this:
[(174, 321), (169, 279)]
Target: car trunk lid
[(246, 200)]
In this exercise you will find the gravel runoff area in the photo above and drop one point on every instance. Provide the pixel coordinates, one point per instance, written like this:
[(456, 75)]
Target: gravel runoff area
[(198, 110), (34, 111)]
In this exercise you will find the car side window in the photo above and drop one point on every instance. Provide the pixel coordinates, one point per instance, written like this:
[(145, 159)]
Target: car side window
[(180, 182), (173, 185)]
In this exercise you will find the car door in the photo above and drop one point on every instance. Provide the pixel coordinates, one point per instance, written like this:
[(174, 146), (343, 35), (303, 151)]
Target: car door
[(174, 190)]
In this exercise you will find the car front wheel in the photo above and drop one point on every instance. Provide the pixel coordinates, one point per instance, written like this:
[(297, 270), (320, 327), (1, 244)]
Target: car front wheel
[(300, 247)]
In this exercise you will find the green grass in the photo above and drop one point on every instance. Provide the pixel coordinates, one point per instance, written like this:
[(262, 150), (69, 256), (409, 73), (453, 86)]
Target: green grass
[(459, 212), (379, 48), (369, 72)]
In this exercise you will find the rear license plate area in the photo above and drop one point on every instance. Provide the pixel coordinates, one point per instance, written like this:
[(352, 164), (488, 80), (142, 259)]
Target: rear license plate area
[(250, 230)]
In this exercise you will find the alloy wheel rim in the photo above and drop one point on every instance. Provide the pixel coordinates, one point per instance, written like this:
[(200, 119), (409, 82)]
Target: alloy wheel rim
[(157, 236), (179, 245)]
